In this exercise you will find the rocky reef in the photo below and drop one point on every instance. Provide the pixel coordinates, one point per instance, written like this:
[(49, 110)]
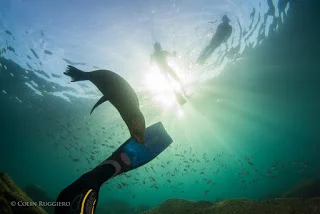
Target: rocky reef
[(36, 193), (10, 192), (118, 206), (11, 195), (239, 206), (305, 188)]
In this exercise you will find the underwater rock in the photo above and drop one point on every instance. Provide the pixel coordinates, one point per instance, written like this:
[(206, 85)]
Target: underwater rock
[(239, 206), (142, 208), (117, 206), (306, 188), (4, 206), (10, 192)]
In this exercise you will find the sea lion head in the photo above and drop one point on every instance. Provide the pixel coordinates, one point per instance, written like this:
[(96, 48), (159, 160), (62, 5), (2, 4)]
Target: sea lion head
[(137, 127)]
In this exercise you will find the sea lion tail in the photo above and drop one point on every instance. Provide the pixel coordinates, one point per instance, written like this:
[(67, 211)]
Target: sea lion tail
[(75, 74)]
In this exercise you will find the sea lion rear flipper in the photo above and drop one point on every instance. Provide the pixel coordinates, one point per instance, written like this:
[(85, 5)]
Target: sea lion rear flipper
[(100, 101)]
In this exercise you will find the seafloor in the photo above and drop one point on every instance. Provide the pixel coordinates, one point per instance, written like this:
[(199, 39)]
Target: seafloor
[(10, 192)]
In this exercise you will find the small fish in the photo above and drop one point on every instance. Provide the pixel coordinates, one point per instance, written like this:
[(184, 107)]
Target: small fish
[(47, 52), (10, 48), (34, 53), (8, 32), (73, 63), (153, 169), (152, 178)]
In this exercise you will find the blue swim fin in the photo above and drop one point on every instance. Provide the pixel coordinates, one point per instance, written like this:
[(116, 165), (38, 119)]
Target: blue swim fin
[(83, 194), (156, 141)]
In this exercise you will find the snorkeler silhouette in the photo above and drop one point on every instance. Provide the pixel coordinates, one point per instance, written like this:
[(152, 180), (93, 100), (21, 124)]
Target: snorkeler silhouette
[(224, 31), (160, 57)]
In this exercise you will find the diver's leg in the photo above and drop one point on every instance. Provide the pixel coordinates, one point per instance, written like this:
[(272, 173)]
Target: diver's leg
[(83, 193), (203, 55), (208, 51), (213, 47), (174, 75), (208, 54), (176, 78)]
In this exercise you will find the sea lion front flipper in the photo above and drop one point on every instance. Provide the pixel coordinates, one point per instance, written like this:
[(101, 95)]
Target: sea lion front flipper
[(100, 101)]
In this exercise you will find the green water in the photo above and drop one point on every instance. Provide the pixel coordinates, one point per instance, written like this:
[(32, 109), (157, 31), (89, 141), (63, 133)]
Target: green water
[(251, 131)]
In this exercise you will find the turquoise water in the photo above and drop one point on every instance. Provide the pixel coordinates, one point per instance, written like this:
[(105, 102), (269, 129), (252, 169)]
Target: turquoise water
[(249, 129)]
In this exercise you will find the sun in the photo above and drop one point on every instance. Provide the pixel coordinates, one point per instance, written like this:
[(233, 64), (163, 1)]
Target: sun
[(160, 87), (155, 81)]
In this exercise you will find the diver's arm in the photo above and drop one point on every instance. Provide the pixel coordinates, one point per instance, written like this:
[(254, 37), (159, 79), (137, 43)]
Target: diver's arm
[(167, 53)]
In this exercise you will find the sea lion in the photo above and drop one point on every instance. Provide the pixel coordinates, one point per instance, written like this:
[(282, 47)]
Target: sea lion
[(120, 94)]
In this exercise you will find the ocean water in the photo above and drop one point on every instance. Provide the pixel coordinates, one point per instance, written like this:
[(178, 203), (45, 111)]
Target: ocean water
[(250, 126)]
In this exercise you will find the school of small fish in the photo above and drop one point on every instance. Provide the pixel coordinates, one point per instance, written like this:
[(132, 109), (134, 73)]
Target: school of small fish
[(86, 147)]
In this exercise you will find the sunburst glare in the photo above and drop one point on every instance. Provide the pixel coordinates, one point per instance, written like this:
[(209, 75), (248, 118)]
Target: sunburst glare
[(162, 89)]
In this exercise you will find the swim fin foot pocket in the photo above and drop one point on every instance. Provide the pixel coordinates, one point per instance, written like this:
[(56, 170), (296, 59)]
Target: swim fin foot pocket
[(83, 202)]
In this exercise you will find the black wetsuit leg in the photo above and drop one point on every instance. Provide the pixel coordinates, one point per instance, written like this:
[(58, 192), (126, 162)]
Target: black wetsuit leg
[(201, 59), (206, 53), (75, 192)]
